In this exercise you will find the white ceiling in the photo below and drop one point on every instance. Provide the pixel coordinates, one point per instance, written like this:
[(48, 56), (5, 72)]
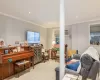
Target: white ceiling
[(46, 12)]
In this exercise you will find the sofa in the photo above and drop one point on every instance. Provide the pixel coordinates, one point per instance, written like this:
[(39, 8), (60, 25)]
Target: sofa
[(91, 74)]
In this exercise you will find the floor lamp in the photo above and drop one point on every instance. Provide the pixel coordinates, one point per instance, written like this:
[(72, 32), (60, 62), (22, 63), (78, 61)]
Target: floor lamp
[(62, 39)]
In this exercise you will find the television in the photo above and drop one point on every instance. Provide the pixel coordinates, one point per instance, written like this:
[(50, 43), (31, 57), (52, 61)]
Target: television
[(33, 37)]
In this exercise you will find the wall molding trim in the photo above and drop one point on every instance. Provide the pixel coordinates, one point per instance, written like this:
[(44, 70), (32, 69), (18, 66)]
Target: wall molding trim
[(17, 18), (4, 14)]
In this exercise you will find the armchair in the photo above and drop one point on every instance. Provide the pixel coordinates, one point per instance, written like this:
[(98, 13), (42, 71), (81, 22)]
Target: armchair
[(45, 55), (91, 74)]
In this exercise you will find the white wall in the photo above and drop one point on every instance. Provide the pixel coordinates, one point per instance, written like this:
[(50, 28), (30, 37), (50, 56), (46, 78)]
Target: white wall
[(80, 36), (51, 37), (12, 30), (68, 39), (74, 38)]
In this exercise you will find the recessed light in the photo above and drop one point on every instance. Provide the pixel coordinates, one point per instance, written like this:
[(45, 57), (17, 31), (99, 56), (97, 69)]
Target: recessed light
[(29, 12), (76, 16)]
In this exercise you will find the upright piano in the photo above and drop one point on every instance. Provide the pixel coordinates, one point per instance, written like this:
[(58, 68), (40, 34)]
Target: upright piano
[(7, 60)]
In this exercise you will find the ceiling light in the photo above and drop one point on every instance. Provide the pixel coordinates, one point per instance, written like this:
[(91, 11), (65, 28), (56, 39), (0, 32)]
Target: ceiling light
[(29, 12), (76, 16)]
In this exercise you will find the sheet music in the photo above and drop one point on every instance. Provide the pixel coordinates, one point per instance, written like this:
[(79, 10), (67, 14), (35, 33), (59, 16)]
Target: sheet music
[(66, 78)]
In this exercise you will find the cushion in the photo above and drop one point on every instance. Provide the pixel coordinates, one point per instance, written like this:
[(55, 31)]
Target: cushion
[(73, 66), (67, 60), (77, 56), (71, 52), (45, 54), (72, 61)]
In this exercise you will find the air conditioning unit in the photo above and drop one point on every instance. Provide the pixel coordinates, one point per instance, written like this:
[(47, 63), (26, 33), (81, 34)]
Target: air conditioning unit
[(67, 33)]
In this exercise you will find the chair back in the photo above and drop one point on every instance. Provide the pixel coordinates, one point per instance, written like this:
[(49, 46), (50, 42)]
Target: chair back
[(86, 64)]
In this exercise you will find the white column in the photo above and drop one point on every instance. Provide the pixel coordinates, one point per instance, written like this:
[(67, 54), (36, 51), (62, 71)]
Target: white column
[(62, 39)]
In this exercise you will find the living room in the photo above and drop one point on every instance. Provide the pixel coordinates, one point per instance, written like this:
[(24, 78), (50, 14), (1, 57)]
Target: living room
[(30, 35)]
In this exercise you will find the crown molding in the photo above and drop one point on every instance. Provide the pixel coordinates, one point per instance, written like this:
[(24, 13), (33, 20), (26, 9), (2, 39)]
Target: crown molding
[(17, 18), (92, 21)]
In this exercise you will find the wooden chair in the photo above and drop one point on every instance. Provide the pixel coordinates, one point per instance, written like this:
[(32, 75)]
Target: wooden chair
[(45, 55), (58, 53), (57, 56), (53, 54)]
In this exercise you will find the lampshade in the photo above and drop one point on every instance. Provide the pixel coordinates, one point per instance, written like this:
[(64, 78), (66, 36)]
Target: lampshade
[(53, 42)]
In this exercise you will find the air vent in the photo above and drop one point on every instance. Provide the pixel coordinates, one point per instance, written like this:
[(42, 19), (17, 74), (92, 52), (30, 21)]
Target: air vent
[(57, 32), (66, 32)]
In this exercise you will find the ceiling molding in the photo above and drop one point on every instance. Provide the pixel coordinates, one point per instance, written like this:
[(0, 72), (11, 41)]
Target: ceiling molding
[(1, 13), (88, 21), (91, 22)]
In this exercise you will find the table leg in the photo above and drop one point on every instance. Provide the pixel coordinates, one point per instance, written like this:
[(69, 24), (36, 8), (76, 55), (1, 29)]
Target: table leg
[(33, 62)]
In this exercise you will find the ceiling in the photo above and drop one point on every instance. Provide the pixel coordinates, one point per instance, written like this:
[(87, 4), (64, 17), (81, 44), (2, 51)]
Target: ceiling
[(46, 12)]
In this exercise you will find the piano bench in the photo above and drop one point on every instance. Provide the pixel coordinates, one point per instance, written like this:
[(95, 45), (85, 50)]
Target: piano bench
[(22, 65)]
